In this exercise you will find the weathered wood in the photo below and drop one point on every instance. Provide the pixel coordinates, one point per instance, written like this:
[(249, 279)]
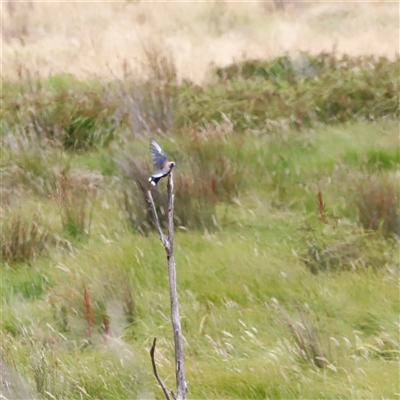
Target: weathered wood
[(153, 362), (168, 243)]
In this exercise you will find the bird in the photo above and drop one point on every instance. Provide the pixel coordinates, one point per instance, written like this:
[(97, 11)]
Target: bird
[(164, 167)]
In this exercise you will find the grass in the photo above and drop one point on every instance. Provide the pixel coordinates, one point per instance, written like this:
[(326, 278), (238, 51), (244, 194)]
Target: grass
[(22, 241), (288, 285), (237, 345), (196, 36)]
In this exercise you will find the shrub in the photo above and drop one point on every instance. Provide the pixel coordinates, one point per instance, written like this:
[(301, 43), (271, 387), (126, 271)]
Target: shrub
[(299, 92), (79, 118), (254, 95)]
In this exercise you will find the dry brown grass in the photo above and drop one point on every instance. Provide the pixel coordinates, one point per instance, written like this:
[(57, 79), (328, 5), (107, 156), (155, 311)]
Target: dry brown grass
[(22, 240), (102, 38), (76, 193), (377, 202)]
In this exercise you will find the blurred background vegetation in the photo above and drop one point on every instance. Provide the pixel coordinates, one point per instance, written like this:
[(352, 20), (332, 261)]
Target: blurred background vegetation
[(283, 121)]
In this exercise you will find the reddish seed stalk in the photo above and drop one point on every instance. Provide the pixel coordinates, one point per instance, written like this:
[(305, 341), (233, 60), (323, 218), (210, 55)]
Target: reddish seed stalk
[(87, 312), (321, 206), (213, 186)]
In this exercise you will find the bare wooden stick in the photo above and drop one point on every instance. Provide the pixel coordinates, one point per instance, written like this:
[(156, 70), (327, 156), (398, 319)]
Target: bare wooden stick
[(168, 244), (163, 239), (181, 384), (161, 383)]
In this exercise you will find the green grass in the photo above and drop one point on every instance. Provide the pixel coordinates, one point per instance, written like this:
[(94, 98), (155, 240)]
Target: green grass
[(241, 284)]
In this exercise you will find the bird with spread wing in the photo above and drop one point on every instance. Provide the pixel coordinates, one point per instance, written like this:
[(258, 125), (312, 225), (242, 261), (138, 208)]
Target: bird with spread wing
[(164, 167)]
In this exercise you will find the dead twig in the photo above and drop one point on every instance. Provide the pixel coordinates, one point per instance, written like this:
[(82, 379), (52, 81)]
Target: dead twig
[(161, 383), (163, 239), (168, 244)]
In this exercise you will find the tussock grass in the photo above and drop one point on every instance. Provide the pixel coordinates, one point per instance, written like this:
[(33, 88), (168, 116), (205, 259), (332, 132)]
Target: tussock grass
[(377, 203), (307, 342), (209, 172), (78, 119), (148, 104), (344, 247), (22, 241), (75, 194)]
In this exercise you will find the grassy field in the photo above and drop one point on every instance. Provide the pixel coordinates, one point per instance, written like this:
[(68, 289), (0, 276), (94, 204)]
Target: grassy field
[(105, 39), (287, 213)]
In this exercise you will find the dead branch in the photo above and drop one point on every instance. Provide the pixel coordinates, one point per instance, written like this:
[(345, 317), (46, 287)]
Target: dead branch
[(163, 239), (161, 383), (168, 244)]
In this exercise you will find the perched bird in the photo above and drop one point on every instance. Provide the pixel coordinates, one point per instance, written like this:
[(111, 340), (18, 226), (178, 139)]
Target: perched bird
[(164, 167)]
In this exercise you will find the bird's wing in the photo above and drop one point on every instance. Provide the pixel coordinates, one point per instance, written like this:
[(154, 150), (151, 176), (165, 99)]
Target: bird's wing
[(160, 173), (159, 158)]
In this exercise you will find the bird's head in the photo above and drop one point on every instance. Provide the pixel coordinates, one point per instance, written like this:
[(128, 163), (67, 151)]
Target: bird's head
[(172, 164)]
